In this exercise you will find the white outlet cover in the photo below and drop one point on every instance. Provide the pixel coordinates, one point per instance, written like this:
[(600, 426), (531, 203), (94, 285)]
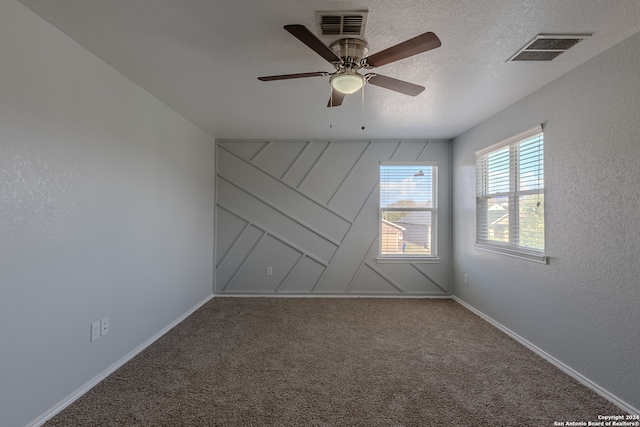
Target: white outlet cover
[(95, 330), (104, 325)]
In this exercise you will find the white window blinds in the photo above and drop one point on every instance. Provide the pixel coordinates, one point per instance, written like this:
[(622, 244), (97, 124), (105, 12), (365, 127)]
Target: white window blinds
[(510, 193)]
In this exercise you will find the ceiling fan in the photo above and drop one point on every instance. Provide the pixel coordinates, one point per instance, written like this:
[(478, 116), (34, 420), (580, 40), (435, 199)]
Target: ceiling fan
[(349, 55)]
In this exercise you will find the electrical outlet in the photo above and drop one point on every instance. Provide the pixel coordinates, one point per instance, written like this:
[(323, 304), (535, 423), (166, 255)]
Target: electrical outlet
[(269, 271), (95, 331), (104, 323), (466, 279)]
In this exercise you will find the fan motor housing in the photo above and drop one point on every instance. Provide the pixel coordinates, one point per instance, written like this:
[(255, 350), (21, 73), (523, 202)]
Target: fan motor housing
[(351, 51)]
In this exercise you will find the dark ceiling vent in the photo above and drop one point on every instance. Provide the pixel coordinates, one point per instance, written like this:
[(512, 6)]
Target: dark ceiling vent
[(342, 23), (546, 47)]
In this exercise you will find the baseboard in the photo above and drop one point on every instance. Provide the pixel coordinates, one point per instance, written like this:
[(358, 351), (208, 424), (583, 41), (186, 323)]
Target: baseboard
[(329, 295), (562, 366), (104, 374)]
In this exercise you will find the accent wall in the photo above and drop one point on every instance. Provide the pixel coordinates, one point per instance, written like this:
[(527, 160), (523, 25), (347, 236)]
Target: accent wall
[(310, 211)]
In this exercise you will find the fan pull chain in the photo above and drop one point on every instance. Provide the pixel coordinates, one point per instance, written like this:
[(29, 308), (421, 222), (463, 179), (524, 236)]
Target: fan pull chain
[(363, 105), (330, 107)]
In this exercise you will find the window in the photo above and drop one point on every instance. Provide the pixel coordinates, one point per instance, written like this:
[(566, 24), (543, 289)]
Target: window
[(510, 196), (408, 210)]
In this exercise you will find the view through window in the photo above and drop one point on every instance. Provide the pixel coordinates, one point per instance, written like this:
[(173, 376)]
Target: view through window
[(408, 213)]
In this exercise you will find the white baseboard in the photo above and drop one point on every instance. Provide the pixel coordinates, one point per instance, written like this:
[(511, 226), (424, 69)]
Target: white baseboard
[(104, 374), (565, 368), (93, 382), (329, 295)]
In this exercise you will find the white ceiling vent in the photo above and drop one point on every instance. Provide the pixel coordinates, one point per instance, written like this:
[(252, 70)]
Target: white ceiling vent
[(546, 47), (342, 23)]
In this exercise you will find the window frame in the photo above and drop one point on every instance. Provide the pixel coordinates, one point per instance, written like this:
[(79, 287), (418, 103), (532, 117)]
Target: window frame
[(513, 194), (403, 257)]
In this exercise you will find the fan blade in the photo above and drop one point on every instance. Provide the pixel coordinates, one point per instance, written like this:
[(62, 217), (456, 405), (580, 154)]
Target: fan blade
[(293, 76), (394, 84), (336, 99), (414, 46), (305, 36)]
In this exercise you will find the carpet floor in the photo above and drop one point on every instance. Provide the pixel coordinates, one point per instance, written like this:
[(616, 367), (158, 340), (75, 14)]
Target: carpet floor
[(335, 362)]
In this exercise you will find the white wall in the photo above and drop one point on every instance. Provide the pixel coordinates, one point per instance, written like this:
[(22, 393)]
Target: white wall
[(582, 308), (310, 210), (106, 209)]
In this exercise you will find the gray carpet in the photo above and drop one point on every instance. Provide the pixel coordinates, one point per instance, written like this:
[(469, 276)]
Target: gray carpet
[(335, 362)]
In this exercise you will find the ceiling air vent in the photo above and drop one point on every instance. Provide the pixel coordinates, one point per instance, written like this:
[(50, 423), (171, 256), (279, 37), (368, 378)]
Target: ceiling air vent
[(546, 47), (342, 23)]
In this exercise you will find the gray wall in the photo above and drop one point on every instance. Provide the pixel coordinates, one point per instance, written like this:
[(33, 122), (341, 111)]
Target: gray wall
[(309, 210), (582, 308), (106, 209)]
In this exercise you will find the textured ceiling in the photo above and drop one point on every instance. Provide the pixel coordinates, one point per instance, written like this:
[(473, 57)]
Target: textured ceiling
[(202, 58)]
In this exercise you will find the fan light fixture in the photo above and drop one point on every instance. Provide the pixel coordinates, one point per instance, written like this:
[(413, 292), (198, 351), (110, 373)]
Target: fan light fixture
[(347, 82)]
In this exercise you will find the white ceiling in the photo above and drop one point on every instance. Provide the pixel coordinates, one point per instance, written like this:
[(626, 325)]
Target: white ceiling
[(203, 57)]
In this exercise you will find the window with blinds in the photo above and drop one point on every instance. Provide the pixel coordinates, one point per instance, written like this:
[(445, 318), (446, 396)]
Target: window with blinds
[(510, 195), (408, 209)]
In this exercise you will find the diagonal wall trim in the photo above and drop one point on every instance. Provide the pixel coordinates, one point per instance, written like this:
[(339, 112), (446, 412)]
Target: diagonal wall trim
[(347, 234), (315, 164), (279, 180), (275, 236), (348, 173), (235, 242), (424, 150), (293, 269), (296, 160), (377, 184), (385, 277), (364, 260), (375, 187), (286, 214), (430, 278), (262, 150), (393, 156), (235, 273)]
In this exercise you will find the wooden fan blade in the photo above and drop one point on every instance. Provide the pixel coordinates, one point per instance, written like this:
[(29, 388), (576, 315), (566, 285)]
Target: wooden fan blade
[(307, 37), (336, 99), (394, 84), (293, 76), (414, 46)]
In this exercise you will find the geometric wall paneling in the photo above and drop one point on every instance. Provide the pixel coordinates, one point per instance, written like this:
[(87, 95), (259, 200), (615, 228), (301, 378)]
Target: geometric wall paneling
[(309, 210), (397, 274), (236, 255), (254, 210), (353, 249), (228, 233), (435, 274), (303, 277), (246, 149), (300, 167), (412, 278), (277, 157), (350, 197), (268, 252), (329, 172), (371, 280), (410, 151), (290, 201)]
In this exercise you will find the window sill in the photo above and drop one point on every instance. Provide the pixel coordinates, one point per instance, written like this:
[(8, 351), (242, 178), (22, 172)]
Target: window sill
[(408, 260), (527, 256)]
